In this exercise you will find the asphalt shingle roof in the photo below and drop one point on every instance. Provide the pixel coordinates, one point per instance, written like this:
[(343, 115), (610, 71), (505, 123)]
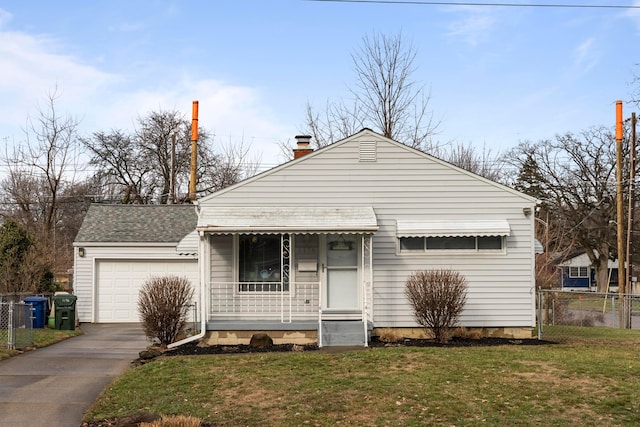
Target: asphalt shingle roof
[(137, 223)]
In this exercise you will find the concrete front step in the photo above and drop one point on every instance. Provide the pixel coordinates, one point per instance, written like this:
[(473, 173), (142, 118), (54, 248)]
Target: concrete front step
[(342, 333)]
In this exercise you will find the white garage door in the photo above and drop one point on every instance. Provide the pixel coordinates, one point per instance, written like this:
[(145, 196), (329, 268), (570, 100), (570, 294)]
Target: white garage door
[(120, 281)]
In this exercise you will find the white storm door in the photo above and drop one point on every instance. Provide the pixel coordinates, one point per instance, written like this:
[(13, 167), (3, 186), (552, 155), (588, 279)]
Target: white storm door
[(341, 272)]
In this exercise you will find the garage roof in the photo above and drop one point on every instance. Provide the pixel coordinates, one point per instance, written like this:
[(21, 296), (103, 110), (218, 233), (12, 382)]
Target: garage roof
[(137, 223)]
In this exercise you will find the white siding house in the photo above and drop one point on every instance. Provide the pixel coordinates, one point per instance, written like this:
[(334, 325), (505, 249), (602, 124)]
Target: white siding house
[(319, 248), (325, 243)]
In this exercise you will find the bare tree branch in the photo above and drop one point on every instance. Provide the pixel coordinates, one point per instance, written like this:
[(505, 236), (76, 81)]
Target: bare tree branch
[(385, 98)]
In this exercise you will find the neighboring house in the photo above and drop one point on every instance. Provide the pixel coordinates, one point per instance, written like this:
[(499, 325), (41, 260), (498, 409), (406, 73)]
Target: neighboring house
[(577, 273), (319, 248), (118, 247)]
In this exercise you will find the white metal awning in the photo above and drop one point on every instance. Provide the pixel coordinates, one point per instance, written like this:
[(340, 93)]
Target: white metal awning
[(287, 219), (452, 228)]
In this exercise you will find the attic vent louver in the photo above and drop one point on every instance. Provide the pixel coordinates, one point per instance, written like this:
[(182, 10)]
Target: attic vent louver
[(368, 151)]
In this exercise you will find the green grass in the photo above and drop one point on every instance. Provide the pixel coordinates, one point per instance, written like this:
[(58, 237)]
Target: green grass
[(595, 334), (41, 338), (599, 304), (550, 385)]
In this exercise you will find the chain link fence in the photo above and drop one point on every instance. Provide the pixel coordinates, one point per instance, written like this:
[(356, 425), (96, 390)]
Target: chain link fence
[(574, 316), (193, 320), (16, 325)]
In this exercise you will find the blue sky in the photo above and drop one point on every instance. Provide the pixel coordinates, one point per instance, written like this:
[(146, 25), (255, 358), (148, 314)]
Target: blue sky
[(497, 75)]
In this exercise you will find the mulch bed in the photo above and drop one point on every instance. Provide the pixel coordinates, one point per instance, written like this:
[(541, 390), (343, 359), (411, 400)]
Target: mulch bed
[(193, 349)]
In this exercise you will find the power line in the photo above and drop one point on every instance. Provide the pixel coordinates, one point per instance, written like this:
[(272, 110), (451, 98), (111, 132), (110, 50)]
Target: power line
[(451, 3)]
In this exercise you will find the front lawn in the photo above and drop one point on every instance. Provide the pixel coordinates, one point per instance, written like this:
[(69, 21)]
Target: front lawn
[(550, 385)]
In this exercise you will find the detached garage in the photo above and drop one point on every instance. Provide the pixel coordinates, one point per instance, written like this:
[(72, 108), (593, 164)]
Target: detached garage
[(117, 250)]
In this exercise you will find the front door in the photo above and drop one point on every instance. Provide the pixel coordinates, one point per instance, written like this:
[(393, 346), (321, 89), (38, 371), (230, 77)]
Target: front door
[(341, 272)]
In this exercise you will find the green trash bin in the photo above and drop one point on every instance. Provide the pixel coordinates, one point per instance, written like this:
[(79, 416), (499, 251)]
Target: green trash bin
[(65, 311)]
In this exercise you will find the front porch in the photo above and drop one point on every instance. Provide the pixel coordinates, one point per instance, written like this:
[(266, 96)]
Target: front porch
[(289, 312)]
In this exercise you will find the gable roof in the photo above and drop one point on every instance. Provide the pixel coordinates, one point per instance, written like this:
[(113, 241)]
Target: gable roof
[(357, 136), (582, 260), (137, 223)]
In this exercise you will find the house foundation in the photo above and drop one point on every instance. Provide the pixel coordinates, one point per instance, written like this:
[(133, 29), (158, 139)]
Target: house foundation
[(243, 337), (420, 333), (304, 337)]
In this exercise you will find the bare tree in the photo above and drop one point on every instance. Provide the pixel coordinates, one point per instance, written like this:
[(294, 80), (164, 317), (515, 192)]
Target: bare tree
[(385, 97), (121, 166), (43, 166), (482, 163), (39, 172), (233, 164), (154, 136), (121, 170), (140, 168), (574, 176)]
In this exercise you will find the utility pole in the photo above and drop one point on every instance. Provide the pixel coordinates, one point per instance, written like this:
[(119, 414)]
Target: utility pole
[(620, 217), (172, 182), (630, 199), (194, 152), (619, 201)]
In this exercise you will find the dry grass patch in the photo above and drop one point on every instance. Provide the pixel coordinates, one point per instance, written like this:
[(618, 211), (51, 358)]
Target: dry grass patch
[(178, 421)]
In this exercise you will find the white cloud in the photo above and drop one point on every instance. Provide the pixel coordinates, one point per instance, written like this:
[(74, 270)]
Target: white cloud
[(33, 66), (231, 112), (4, 17), (474, 26), (585, 57), (30, 69), (634, 14), (127, 27)]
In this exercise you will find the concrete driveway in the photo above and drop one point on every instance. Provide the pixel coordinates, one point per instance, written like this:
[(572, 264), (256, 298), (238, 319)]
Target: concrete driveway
[(56, 385)]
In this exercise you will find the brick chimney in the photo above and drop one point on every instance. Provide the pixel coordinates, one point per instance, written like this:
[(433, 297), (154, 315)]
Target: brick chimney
[(303, 146)]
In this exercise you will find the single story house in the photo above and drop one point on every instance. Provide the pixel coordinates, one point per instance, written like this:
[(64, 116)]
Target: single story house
[(319, 249), (577, 273)]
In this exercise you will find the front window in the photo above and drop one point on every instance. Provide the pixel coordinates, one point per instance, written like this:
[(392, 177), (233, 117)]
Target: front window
[(422, 244), (261, 259)]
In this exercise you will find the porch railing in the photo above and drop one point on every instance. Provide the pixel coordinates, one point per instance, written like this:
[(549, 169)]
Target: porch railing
[(264, 301)]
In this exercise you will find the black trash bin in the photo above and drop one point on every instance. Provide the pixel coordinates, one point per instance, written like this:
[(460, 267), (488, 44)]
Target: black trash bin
[(65, 311), (38, 310)]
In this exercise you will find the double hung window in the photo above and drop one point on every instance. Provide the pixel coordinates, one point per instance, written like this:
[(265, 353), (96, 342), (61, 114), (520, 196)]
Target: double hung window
[(579, 272)]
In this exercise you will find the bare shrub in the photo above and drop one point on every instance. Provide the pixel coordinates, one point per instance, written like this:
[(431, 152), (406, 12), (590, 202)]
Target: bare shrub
[(177, 421), (438, 298), (474, 334), (163, 304), (388, 335)]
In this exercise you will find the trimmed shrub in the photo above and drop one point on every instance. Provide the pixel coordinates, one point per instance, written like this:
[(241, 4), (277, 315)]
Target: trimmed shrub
[(163, 304), (437, 298)]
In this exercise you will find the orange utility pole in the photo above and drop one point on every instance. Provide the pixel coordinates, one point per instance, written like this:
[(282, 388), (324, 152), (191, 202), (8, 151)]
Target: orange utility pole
[(194, 152), (620, 214)]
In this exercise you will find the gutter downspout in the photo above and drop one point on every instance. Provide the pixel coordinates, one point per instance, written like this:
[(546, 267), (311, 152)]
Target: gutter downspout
[(202, 256)]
